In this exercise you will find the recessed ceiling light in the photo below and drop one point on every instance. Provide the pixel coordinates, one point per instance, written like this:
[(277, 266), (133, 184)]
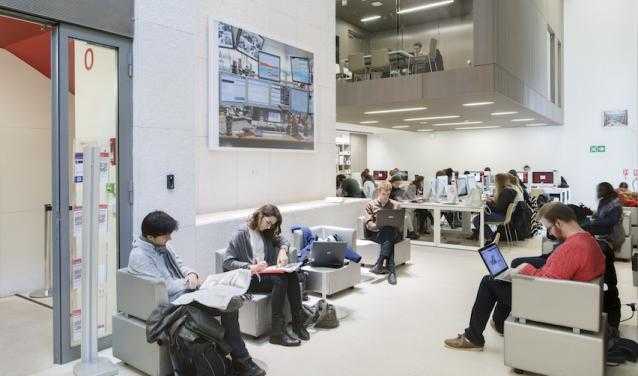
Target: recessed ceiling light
[(369, 122), (470, 128), (426, 6), (522, 120), (424, 130), (401, 126), (396, 110), (371, 18), (459, 123), (376, 4), (423, 122), (504, 113), (434, 118), (474, 104), (535, 124)]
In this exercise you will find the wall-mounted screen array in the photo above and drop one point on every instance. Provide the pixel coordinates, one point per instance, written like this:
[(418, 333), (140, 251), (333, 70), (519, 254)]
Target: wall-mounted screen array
[(258, 102)]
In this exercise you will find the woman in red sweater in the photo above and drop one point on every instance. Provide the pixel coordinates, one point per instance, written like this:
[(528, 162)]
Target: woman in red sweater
[(579, 258)]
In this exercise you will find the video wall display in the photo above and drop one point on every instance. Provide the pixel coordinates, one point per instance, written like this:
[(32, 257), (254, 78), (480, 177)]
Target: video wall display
[(261, 92)]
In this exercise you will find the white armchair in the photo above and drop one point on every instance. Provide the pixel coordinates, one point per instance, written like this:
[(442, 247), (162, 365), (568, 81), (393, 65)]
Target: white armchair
[(369, 250), (329, 281), (556, 327)]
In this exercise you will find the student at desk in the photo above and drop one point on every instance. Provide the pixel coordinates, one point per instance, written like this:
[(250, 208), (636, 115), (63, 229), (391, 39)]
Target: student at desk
[(385, 236), (415, 191), (496, 206), (399, 193), (257, 245), (369, 187)]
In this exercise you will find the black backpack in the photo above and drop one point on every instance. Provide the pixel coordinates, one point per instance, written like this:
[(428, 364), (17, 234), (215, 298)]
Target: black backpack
[(198, 358)]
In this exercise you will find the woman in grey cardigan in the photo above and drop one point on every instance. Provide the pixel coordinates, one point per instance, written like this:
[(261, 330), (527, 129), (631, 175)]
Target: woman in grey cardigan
[(257, 245)]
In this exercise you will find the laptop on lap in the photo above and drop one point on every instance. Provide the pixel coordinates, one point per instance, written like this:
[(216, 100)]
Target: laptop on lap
[(391, 217), (495, 263)]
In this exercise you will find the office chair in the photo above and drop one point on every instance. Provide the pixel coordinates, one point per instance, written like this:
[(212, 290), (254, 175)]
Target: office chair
[(357, 65), (380, 61)]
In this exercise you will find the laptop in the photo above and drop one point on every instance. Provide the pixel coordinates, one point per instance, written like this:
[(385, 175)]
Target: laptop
[(328, 254), (391, 217), (495, 263)]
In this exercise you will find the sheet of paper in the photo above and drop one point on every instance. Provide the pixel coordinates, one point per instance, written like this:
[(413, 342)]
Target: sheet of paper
[(218, 289)]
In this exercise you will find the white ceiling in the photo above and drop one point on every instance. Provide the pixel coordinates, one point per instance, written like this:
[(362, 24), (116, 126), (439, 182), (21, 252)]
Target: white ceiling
[(445, 107)]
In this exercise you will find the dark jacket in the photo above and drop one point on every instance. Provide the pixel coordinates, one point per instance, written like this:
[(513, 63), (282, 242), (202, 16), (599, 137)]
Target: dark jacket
[(239, 253), (504, 200), (609, 213), (350, 188)]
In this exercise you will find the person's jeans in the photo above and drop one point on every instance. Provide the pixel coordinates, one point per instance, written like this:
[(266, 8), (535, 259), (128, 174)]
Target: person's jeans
[(232, 335), (488, 217), (386, 237), (492, 295), (280, 286)]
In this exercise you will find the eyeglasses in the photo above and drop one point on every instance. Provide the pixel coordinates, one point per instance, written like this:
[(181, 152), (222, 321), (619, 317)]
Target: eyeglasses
[(269, 221)]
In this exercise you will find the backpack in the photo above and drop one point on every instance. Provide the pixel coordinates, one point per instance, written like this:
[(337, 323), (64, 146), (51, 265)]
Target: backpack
[(197, 358)]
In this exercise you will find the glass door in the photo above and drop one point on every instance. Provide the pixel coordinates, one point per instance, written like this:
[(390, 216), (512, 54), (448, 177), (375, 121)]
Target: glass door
[(92, 106)]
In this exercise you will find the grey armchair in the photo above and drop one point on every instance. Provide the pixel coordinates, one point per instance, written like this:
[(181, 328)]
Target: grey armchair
[(369, 250), (329, 281), (137, 297), (556, 327)]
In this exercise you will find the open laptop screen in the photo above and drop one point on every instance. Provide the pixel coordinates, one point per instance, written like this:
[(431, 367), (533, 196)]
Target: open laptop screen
[(493, 259)]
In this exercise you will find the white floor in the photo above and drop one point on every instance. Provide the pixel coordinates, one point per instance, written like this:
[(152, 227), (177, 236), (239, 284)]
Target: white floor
[(398, 330)]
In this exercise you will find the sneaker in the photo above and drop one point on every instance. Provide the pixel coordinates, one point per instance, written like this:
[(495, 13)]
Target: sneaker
[(462, 343), (493, 325), (392, 278)]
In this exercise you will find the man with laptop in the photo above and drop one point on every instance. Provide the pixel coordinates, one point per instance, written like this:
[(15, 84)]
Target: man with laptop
[(383, 221), (578, 258)]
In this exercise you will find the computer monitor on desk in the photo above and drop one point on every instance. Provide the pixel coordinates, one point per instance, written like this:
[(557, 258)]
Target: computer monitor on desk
[(379, 175), (462, 186), (543, 177), (522, 176)]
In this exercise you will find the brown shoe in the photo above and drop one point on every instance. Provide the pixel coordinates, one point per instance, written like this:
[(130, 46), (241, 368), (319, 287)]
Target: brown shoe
[(462, 343)]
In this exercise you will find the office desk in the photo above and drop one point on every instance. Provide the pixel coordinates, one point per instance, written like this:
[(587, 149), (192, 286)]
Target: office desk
[(437, 208), (396, 56)]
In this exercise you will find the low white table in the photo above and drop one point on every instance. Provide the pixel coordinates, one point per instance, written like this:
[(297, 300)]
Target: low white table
[(437, 208)]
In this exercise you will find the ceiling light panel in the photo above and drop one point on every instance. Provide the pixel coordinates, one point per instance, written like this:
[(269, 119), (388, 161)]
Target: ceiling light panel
[(425, 6), (472, 128), (371, 18), (458, 123), (475, 104), (535, 124), (504, 113), (369, 122), (522, 120), (376, 4), (424, 130), (396, 110), (401, 126), (434, 118)]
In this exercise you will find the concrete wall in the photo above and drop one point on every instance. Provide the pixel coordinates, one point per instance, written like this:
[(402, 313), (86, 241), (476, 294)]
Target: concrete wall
[(25, 165), (603, 83), (171, 111), (350, 45)]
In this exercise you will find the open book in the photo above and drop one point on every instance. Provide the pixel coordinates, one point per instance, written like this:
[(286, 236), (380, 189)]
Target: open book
[(276, 269), (218, 289)]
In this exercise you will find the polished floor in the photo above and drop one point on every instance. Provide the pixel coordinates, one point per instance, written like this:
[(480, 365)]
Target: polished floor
[(398, 330)]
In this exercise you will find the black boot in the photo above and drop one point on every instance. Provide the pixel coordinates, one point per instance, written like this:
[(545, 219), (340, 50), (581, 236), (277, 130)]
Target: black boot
[(299, 329), (247, 367), (378, 266), (279, 336)]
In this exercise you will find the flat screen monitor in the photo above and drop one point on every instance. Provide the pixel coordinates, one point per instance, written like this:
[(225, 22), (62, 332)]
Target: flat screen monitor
[(258, 92), (275, 95), (461, 184), (300, 67), (232, 88), (522, 176), (471, 183), (379, 175), (249, 43), (274, 116), (543, 177), (441, 183), (298, 101), (269, 66)]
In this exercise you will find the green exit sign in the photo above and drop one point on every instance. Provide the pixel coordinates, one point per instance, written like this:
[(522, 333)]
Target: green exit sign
[(597, 148)]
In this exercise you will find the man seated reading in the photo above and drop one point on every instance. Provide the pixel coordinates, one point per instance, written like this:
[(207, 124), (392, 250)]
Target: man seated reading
[(152, 257)]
